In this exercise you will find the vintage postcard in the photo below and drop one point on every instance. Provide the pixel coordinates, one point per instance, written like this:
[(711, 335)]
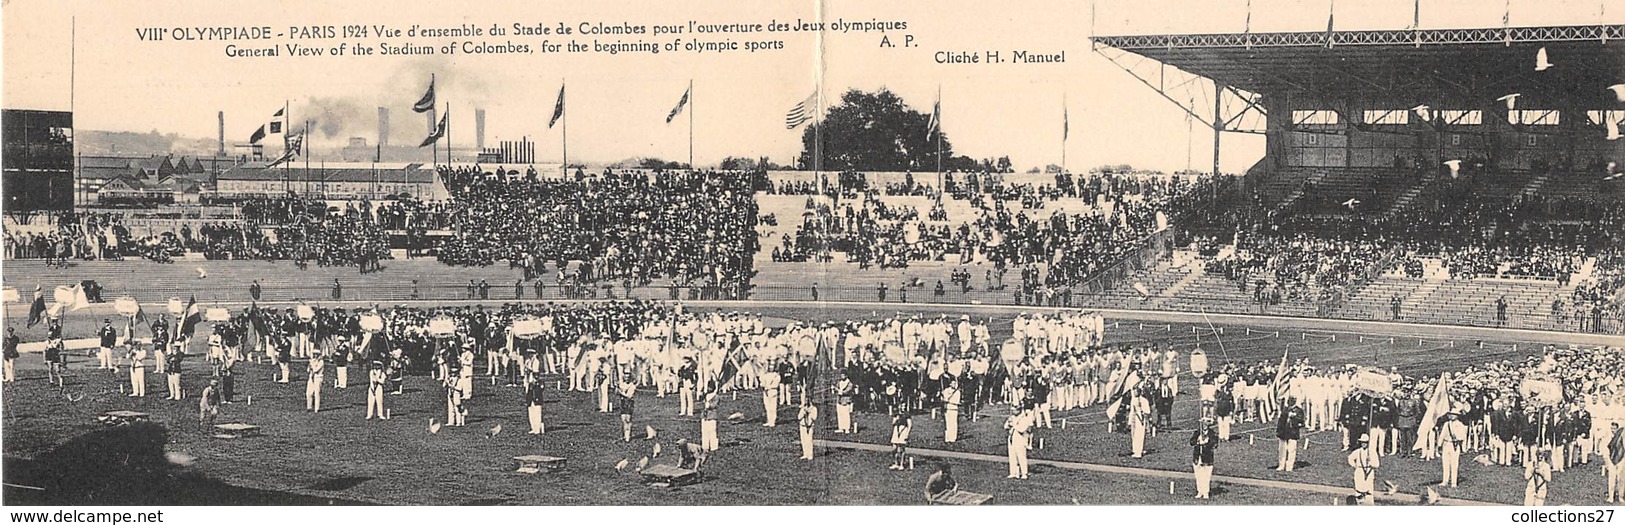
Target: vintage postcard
[(820, 252)]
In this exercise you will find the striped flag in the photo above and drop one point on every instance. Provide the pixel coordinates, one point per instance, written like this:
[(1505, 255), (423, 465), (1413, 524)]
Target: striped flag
[(681, 103), (295, 145), (558, 109), (802, 112), (190, 317), (425, 103), (276, 124), (1281, 382)]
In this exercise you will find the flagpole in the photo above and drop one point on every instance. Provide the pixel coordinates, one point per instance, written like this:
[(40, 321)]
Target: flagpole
[(564, 139), (691, 125), (1066, 129), (818, 153), (307, 158), (286, 170), (939, 137)]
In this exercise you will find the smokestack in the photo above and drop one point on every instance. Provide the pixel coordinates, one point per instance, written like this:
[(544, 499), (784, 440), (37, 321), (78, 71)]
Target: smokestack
[(221, 152), (479, 129), (383, 127)]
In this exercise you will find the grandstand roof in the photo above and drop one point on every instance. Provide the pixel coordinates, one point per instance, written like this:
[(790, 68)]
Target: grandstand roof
[(1401, 65)]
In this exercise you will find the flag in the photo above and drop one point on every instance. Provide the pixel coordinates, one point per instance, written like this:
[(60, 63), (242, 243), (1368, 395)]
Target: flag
[(558, 109), (80, 301), (190, 317), (1438, 404), (426, 103), (801, 112), (256, 319), (276, 125), (1121, 387), (680, 103), (936, 117), (264, 130), (36, 311), (1329, 25), (1247, 27), (1066, 124), (730, 364), (294, 145), (1616, 448), (1279, 385), (439, 130)]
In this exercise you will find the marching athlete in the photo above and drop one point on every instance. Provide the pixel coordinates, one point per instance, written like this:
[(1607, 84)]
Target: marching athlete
[(628, 389), (1365, 462), (1203, 442), (533, 405), (376, 378), (843, 405), (1020, 425), (138, 370), (313, 383), (900, 427), (807, 420), (1451, 435), (950, 410)]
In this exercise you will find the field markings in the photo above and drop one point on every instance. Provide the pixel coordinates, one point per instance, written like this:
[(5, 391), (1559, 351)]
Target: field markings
[(1148, 472)]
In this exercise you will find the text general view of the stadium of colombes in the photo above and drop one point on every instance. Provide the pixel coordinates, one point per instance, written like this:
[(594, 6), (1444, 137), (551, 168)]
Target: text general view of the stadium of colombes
[(835, 254)]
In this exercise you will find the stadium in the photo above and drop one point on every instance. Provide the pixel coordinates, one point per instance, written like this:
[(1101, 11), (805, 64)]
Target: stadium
[(1424, 266)]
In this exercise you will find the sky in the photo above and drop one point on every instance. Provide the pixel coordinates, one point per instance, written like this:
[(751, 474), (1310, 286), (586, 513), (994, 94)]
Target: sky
[(85, 56)]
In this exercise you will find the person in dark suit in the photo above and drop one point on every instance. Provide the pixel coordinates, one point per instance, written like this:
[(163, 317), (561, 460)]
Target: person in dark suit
[(11, 353), (1288, 429)]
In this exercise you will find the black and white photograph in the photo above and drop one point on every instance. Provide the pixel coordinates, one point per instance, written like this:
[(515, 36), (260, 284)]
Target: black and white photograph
[(1159, 258)]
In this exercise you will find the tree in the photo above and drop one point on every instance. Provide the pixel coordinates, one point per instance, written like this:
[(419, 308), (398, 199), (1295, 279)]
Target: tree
[(738, 164), (874, 132)]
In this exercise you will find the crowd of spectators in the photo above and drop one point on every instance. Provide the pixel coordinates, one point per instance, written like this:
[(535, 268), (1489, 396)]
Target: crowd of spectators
[(1300, 268), (694, 227)]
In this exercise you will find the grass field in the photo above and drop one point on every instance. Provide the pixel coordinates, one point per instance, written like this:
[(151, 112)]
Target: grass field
[(53, 442)]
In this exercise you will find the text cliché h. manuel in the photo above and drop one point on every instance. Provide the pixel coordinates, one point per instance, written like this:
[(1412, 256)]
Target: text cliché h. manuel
[(996, 57)]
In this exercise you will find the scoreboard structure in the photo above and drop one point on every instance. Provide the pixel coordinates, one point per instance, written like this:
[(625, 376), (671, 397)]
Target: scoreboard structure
[(38, 160)]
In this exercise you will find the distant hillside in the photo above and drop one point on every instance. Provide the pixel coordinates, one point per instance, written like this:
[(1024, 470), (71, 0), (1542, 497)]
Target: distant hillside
[(96, 142)]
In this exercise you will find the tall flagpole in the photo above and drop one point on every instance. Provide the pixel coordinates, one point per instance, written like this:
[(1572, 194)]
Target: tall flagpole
[(564, 139), (307, 158), (938, 131), (286, 170), (817, 129), (1066, 129), (691, 124)]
